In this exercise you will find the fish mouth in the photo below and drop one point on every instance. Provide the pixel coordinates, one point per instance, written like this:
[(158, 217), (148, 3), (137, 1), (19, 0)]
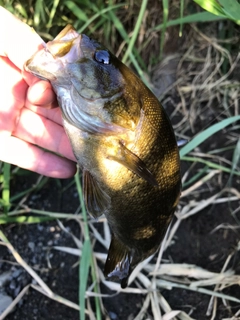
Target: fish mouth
[(63, 49), (30, 68), (66, 45), (67, 33)]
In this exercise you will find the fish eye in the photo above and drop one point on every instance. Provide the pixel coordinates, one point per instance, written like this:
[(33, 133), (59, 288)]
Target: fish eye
[(102, 56)]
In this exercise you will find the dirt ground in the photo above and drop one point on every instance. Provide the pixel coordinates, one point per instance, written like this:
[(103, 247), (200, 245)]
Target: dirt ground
[(205, 239), (194, 244)]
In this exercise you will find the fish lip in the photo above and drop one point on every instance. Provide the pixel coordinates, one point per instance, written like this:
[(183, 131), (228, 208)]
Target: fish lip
[(67, 49), (67, 33), (66, 45), (25, 66), (30, 67)]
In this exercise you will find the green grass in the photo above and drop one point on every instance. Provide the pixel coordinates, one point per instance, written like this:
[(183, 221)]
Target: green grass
[(204, 135), (87, 260), (222, 8), (5, 179)]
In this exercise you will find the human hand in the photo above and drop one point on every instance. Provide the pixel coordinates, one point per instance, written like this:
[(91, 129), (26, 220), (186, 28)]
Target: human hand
[(29, 123)]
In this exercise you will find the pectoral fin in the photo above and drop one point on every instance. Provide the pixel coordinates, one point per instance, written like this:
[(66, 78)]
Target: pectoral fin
[(118, 263), (96, 200), (131, 161)]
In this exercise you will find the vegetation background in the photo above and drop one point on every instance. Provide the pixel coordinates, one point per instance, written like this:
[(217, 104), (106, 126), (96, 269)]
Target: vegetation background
[(187, 52)]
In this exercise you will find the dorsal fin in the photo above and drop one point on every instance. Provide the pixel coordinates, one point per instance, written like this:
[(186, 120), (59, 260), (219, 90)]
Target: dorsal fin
[(131, 161), (118, 263), (96, 200)]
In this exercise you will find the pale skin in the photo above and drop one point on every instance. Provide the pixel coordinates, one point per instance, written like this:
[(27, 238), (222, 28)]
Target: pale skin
[(29, 119)]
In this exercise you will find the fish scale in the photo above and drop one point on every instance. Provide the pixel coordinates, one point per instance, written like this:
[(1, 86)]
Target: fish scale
[(123, 141)]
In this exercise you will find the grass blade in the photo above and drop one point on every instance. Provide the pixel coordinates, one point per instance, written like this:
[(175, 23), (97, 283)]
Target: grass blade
[(6, 187), (181, 16), (39, 14), (235, 161), (52, 13), (136, 30), (86, 260), (99, 14), (231, 9), (192, 18), (211, 6), (165, 18), (76, 10), (86, 253), (83, 275), (204, 135), (25, 219), (211, 164), (222, 8)]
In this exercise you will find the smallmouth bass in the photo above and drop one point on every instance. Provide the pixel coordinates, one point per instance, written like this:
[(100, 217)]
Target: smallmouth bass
[(123, 142)]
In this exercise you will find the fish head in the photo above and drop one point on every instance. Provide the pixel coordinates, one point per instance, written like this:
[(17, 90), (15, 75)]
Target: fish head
[(76, 58), (90, 83)]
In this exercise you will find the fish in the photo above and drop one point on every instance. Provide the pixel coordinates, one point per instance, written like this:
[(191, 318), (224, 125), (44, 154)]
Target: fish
[(123, 142)]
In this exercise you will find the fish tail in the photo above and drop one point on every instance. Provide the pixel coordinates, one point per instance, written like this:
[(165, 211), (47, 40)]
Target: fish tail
[(118, 263)]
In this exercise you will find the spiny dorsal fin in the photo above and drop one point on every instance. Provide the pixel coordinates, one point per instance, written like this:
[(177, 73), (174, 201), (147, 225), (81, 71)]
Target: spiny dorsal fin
[(118, 263), (134, 163), (96, 200)]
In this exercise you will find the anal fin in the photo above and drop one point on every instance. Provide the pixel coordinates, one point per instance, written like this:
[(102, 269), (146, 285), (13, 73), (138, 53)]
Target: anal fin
[(118, 263), (96, 200), (131, 161)]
